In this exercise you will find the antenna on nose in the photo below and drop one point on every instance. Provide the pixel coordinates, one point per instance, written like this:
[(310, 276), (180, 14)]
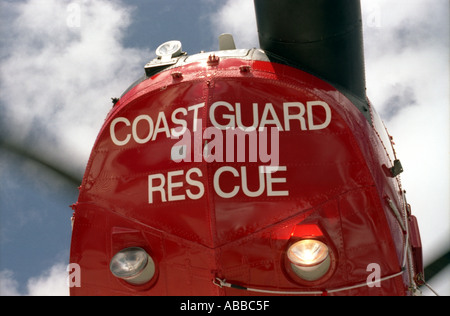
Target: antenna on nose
[(226, 42)]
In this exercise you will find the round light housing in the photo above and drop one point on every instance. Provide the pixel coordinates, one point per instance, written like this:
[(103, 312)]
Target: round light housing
[(133, 265), (169, 49), (310, 259)]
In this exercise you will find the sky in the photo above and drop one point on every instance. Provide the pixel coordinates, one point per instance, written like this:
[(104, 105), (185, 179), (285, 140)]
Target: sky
[(61, 62)]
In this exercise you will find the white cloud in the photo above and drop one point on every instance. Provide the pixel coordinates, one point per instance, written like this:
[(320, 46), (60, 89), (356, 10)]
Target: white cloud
[(238, 18), (60, 78), (57, 77), (52, 282), (407, 79), (8, 285)]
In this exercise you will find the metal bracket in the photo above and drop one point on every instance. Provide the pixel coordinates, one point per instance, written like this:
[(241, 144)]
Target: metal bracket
[(396, 169)]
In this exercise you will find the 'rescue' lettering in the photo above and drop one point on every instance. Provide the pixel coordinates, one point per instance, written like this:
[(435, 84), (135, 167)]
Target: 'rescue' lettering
[(181, 185)]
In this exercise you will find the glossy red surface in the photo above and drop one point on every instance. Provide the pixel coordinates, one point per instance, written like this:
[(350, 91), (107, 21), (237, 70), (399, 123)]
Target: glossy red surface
[(200, 220)]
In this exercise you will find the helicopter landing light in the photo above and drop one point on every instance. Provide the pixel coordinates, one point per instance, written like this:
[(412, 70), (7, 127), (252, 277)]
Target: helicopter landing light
[(133, 265)]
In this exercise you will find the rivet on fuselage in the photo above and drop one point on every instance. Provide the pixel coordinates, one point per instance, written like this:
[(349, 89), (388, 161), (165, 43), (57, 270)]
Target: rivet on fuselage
[(213, 60), (245, 68), (177, 75)]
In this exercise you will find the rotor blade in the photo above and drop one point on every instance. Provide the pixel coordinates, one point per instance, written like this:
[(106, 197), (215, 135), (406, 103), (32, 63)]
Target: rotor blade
[(74, 179), (433, 269)]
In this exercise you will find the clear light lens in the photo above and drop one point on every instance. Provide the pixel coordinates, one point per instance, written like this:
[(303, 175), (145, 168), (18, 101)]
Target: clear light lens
[(169, 49), (310, 259), (133, 265), (308, 252)]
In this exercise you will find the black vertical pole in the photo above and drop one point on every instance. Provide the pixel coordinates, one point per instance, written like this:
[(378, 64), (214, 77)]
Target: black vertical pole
[(322, 37)]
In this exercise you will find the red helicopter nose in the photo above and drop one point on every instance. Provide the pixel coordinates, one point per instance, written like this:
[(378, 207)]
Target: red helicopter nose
[(235, 168), (242, 172)]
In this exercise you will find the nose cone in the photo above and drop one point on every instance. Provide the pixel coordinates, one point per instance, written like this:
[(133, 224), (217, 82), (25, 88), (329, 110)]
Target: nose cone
[(211, 171)]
